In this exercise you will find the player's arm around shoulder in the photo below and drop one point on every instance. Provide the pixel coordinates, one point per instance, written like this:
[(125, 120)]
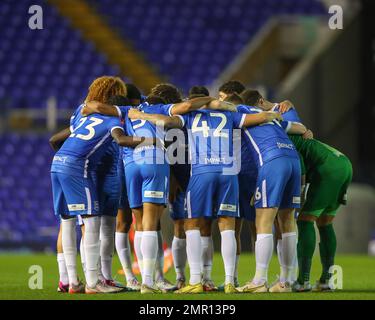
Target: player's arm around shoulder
[(127, 141), (254, 119), (189, 105), (157, 119), (298, 129), (99, 107)]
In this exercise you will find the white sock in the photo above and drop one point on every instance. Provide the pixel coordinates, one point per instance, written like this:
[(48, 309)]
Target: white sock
[(279, 254), (207, 256), (69, 244), (63, 272), (82, 254), (179, 257), (288, 246), (159, 267), (107, 243), (137, 249), (92, 249), (124, 253), (149, 247), (100, 273), (236, 266), (228, 252), (263, 255), (295, 266), (194, 255)]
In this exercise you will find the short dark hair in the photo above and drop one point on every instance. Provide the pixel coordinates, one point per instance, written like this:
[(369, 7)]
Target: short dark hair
[(119, 101), (133, 92), (251, 97), (234, 98), (232, 86), (168, 92), (201, 90), (197, 95), (153, 99)]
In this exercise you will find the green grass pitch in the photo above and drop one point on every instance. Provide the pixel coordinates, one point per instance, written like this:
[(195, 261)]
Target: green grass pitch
[(358, 280)]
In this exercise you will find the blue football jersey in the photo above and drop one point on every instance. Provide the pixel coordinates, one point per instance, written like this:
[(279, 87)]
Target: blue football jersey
[(142, 128), (86, 145), (211, 140), (290, 115), (269, 140), (109, 162)]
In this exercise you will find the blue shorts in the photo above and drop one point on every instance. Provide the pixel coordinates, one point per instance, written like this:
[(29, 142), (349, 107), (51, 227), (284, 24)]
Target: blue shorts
[(123, 201), (73, 195), (108, 186), (279, 184), (212, 194), (247, 185), (147, 183), (178, 207)]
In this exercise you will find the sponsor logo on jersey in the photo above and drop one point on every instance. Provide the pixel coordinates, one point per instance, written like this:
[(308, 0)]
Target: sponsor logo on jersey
[(59, 159), (281, 145), (76, 207), (154, 194), (228, 207)]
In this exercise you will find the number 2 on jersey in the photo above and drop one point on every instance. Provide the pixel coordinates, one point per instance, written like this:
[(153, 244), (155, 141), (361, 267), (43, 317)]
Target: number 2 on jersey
[(204, 128)]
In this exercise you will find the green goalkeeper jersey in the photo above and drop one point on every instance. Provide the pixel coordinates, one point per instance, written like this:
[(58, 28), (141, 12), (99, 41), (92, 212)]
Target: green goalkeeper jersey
[(313, 152)]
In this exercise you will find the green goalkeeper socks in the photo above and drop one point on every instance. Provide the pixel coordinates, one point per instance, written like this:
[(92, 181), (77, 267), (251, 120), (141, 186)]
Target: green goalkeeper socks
[(305, 249), (327, 247)]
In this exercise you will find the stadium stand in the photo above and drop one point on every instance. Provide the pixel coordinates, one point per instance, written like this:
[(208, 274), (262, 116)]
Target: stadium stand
[(55, 61), (196, 32), (27, 218)]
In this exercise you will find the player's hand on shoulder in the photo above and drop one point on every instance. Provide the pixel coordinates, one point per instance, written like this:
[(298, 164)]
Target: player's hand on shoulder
[(308, 135), (285, 106), (134, 114), (272, 115)]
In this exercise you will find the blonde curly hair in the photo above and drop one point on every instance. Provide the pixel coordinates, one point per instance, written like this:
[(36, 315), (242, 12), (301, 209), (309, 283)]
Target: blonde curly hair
[(103, 88)]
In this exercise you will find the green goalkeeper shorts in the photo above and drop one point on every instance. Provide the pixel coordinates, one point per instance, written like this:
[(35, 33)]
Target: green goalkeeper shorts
[(328, 184)]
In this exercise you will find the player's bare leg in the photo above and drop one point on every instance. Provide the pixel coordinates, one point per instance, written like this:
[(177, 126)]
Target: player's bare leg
[(123, 224), (287, 249), (227, 227), (265, 218), (63, 286), (253, 234), (179, 253), (149, 246), (194, 255), (327, 249), (207, 255)]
